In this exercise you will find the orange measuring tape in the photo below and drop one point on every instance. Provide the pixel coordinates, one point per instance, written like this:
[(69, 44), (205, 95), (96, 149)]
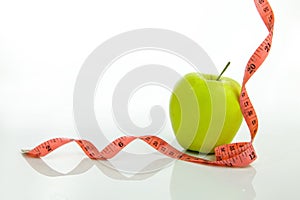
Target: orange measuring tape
[(232, 155)]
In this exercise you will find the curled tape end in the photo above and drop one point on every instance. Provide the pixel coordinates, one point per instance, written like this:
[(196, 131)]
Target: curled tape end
[(24, 151)]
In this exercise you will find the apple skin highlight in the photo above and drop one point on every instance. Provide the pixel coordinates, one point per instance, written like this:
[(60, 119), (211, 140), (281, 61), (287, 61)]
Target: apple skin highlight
[(205, 112)]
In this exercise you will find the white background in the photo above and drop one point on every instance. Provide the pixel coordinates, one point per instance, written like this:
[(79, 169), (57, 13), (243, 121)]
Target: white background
[(43, 45)]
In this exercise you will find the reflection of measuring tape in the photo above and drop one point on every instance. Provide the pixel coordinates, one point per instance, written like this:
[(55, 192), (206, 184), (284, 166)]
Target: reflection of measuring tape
[(233, 155)]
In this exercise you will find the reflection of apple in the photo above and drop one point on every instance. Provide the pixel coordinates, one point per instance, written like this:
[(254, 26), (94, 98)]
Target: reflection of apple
[(190, 181), (205, 111)]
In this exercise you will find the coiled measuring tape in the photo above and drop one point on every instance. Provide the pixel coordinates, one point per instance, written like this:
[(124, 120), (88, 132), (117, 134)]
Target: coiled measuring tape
[(239, 154)]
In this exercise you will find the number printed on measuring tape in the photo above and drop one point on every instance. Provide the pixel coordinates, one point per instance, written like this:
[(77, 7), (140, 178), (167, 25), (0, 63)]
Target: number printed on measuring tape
[(239, 154)]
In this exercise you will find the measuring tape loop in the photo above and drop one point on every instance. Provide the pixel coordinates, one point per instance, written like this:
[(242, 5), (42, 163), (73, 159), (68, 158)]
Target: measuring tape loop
[(239, 154)]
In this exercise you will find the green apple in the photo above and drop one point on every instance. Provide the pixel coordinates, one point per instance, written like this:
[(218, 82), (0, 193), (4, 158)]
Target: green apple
[(205, 111)]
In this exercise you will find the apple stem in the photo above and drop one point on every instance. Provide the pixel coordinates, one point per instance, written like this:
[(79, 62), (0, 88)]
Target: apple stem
[(223, 71)]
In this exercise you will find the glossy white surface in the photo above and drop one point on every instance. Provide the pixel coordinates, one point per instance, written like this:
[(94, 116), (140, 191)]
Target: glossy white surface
[(42, 47)]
